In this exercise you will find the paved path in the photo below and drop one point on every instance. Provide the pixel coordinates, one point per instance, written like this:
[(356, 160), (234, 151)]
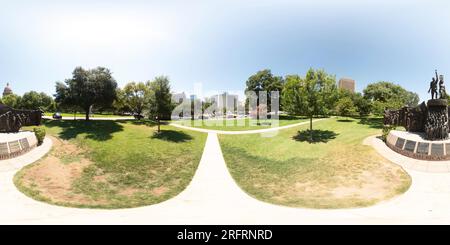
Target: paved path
[(93, 118), (256, 131), (214, 198)]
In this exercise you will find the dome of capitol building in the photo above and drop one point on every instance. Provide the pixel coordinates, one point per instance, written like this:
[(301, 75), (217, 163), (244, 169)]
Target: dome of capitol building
[(7, 90)]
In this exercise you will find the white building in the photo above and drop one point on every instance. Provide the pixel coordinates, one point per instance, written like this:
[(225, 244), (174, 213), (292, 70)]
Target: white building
[(224, 102), (179, 97)]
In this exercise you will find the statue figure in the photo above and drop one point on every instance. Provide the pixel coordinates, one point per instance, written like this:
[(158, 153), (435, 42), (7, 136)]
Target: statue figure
[(433, 87), (442, 92), (12, 120)]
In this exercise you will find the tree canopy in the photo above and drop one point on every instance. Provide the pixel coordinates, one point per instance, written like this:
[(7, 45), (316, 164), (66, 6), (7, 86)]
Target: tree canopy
[(136, 96), (264, 80), (87, 88), (160, 99), (389, 95), (310, 96)]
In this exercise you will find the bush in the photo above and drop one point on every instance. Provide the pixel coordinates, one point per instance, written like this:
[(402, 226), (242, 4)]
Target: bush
[(386, 130), (40, 134)]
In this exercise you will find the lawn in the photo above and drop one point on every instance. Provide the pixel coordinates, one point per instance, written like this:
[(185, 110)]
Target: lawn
[(82, 115), (240, 124), (334, 171), (105, 164)]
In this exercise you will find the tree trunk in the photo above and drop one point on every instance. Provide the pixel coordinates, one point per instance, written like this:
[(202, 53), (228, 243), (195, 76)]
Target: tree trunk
[(159, 125), (87, 115), (310, 129)]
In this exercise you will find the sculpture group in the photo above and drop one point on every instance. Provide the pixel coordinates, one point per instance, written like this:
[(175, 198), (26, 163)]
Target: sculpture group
[(11, 120), (431, 118), (434, 87)]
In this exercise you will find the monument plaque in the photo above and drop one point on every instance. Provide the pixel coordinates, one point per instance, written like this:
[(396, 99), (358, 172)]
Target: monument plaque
[(4, 149), (14, 146), (422, 148), (410, 145), (400, 143), (437, 149)]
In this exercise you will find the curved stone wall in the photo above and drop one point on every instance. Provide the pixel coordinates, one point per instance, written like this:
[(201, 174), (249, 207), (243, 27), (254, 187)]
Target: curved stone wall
[(16, 144)]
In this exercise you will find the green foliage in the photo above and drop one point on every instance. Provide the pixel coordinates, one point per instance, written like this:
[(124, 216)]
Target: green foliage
[(310, 96), (345, 107), (160, 98), (12, 100), (40, 134), (389, 95), (265, 81), (87, 88), (33, 100), (136, 96), (386, 130)]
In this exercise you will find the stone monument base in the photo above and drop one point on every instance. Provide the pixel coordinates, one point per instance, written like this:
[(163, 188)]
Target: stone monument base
[(415, 145), (15, 144), (436, 124)]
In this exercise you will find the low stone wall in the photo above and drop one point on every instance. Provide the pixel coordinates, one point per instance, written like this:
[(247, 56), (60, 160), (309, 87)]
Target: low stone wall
[(14, 145), (413, 145)]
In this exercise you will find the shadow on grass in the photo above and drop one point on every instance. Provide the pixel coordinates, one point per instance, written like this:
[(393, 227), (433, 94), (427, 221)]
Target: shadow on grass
[(345, 120), (172, 136), (289, 117), (95, 130), (319, 136), (372, 122)]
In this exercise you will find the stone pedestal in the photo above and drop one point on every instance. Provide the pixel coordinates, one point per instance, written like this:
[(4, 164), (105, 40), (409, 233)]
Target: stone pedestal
[(436, 123), (15, 144)]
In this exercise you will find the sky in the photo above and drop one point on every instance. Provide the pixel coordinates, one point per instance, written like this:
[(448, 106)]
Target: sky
[(219, 44)]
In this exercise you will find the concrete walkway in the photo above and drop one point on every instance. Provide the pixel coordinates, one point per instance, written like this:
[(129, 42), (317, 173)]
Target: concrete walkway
[(256, 131), (93, 118), (214, 198)]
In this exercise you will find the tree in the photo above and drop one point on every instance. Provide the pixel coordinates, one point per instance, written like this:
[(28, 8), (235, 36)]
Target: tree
[(345, 106), (160, 100), (389, 95), (87, 88), (265, 81), (309, 96), (33, 100), (136, 97), (363, 105), (12, 100)]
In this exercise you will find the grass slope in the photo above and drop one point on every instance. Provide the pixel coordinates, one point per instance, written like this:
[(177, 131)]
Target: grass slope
[(103, 164), (335, 171)]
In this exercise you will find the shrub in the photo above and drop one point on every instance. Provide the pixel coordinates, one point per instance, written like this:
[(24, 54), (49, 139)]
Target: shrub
[(40, 134), (386, 130)]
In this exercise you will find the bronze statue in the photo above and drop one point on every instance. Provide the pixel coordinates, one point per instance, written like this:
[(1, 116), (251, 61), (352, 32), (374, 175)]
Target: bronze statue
[(12, 120), (433, 87), (442, 92)]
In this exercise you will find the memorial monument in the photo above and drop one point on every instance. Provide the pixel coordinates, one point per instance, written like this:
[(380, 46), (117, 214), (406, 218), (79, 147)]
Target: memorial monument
[(12, 142), (427, 126)]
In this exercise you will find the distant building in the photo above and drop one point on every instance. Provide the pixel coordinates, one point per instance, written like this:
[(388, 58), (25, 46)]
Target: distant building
[(224, 100), (179, 98), (7, 90), (193, 97), (347, 84)]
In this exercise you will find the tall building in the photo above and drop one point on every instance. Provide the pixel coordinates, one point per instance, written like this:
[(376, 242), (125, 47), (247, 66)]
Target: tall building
[(7, 90), (224, 100), (179, 97), (347, 84)]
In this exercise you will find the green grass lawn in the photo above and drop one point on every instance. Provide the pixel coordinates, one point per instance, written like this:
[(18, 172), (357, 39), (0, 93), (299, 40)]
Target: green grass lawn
[(240, 124), (82, 115), (334, 171), (104, 164)]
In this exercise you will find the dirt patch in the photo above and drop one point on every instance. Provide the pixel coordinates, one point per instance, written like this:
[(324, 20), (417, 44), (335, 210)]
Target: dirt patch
[(53, 178), (159, 191)]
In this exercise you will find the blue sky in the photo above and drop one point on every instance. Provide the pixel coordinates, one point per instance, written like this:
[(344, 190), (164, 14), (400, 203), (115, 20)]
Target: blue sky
[(221, 43)]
